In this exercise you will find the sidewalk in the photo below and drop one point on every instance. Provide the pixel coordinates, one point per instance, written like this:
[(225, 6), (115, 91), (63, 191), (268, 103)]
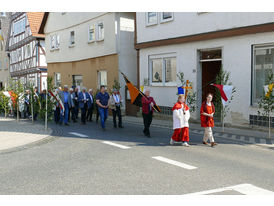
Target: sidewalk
[(14, 135), (250, 136)]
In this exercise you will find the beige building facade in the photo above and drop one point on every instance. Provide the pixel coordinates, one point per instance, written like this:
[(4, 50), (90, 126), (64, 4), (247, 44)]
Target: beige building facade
[(89, 49)]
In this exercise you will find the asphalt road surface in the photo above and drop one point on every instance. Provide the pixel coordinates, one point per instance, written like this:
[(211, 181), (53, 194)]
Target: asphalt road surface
[(86, 160)]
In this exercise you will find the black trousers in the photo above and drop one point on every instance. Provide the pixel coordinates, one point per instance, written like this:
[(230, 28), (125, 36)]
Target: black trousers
[(73, 115), (115, 113), (84, 113), (147, 122), (57, 115), (89, 115)]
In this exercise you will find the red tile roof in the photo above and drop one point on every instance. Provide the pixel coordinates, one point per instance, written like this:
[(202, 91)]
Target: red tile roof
[(35, 20)]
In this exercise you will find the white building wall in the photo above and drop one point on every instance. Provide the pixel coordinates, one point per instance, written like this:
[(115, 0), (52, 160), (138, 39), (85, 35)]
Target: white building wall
[(236, 54), (190, 23), (79, 22), (125, 49), (43, 61)]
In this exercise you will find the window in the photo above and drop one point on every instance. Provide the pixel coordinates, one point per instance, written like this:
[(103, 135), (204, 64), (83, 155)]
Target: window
[(263, 64), (0, 65), (19, 26), (166, 16), (77, 80), (102, 78), (151, 18), (156, 69), (170, 69), (101, 32), (2, 13), (72, 38), (57, 44), (54, 42), (162, 71), (28, 51), (91, 33), (57, 79)]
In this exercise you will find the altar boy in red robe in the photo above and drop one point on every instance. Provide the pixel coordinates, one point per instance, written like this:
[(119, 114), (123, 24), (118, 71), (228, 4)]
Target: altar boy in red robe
[(181, 116)]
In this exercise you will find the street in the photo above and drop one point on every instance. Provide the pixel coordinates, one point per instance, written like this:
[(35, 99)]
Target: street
[(83, 159)]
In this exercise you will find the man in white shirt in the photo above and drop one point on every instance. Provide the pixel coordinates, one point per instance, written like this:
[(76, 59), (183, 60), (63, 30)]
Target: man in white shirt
[(115, 105), (90, 105)]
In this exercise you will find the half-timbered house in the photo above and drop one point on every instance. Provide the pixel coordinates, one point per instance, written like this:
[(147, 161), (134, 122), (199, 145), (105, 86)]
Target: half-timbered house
[(27, 49)]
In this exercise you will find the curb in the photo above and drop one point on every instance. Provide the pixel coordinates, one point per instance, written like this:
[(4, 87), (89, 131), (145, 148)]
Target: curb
[(54, 133)]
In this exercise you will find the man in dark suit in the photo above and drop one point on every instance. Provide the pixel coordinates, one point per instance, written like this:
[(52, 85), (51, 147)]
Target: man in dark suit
[(90, 106), (83, 104)]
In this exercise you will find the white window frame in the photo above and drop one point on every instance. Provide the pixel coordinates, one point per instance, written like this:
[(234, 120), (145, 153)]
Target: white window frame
[(162, 57), (17, 26), (57, 41), (90, 27), (254, 101), (98, 38), (99, 78), (162, 20), (152, 23), (52, 42), (71, 44), (55, 79)]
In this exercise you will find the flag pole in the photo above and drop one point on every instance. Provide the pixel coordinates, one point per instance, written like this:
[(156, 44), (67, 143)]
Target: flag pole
[(138, 89), (223, 122)]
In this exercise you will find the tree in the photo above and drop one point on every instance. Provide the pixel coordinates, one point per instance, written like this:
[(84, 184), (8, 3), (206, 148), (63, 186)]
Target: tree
[(47, 107), (17, 88), (191, 96), (266, 103), (4, 103)]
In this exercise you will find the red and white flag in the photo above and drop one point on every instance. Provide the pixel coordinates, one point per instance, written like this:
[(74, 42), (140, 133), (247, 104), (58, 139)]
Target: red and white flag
[(226, 92)]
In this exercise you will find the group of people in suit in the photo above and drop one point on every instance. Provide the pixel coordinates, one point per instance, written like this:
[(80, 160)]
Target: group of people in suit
[(73, 101)]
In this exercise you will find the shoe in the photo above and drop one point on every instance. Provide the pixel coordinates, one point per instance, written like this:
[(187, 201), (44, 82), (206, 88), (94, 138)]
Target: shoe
[(66, 124), (121, 127), (114, 126), (148, 135), (213, 144), (104, 129), (186, 144), (205, 143), (171, 141)]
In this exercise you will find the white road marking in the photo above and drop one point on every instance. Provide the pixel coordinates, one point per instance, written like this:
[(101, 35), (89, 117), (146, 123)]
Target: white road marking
[(78, 134), (246, 189), (173, 162), (116, 145)]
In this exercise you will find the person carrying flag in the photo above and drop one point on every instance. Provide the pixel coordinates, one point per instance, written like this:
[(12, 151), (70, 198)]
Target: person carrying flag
[(181, 116), (207, 111), (147, 111)]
